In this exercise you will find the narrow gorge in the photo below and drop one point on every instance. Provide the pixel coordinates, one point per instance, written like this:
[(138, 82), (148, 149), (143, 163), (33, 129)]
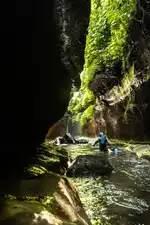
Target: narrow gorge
[(79, 67), (114, 92)]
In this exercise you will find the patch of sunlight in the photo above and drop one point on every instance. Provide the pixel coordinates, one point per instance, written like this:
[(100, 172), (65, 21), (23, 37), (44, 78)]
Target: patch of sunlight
[(36, 170), (62, 186), (147, 77), (91, 194), (82, 150), (47, 217), (69, 209), (118, 93)]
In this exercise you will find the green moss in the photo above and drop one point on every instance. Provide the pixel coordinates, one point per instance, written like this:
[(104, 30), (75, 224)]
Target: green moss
[(44, 200), (119, 143), (141, 148), (123, 90), (93, 202), (80, 100), (105, 43), (36, 170), (147, 77), (88, 113), (25, 205)]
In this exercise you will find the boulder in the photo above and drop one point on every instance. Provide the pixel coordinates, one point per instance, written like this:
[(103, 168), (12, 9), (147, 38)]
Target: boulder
[(86, 165), (46, 200), (68, 139), (43, 196)]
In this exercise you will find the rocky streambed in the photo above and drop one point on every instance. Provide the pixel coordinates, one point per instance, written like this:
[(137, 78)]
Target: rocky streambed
[(101, 188), (121, 197)]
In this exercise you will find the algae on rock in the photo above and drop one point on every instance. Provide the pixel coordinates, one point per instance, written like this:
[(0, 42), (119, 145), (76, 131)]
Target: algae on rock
[(43, 196), (105, 43)]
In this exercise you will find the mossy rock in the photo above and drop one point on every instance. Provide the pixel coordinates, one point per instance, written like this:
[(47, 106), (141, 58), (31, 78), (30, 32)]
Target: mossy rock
[(89, 165), (48, 159), (59, 205)]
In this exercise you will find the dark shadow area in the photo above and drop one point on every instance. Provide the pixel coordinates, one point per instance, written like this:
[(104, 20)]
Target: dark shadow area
[(34, 85), (34, 82), (30, 92)]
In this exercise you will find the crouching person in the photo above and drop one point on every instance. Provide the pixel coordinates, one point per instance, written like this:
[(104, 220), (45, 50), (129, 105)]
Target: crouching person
[(103, 142)]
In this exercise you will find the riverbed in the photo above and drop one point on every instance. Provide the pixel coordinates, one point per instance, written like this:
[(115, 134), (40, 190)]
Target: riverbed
[(123, 197)]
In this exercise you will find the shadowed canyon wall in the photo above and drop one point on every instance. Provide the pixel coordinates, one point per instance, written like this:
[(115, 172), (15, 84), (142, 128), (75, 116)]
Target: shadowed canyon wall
[(35, 75)]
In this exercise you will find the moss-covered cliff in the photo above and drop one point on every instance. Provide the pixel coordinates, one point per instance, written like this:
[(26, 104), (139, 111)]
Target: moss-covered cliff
[(116, 69)]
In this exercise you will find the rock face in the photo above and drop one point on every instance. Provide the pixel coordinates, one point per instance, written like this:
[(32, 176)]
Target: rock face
[(35, 81), (115, 80), (126, 118), (123, 103), (58, 129), (72, 20), (42, 195), (60, 205), (86, 165), (142, 150)]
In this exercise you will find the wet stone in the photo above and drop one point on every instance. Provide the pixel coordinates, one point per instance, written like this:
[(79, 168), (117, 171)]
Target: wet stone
[(86, 165)]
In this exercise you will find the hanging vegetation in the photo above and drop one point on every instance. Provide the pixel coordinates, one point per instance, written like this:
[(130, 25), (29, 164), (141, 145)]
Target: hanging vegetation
[(105, 43)]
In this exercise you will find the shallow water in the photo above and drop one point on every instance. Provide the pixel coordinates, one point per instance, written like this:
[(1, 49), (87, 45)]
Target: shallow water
[(122, 198)]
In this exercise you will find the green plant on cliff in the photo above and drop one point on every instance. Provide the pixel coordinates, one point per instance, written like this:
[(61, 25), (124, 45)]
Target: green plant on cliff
[(88, 113), (105, 43), (119, 92)]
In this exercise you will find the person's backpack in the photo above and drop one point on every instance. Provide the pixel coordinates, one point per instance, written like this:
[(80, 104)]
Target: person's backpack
[(103, 139)]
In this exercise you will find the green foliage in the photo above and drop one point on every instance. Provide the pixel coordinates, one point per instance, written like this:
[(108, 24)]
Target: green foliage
[(81, 100), (88, 113), (91, 194), (105, 43), (36, 170), (123, 90), (107, 31), (147, 77)]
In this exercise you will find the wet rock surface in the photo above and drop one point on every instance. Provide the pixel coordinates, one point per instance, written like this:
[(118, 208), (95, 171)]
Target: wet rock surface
[(86, 165), (68, 139), (58, 203), (141, 150)]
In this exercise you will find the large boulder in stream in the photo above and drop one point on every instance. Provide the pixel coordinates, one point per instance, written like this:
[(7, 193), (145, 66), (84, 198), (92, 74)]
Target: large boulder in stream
[(87, 165), (68, 139)]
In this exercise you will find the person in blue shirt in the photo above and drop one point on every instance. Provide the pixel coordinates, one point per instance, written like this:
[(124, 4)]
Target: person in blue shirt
[(102, 140)]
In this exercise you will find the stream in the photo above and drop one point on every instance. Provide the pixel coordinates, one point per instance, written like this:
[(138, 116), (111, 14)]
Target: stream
[(123, 197)]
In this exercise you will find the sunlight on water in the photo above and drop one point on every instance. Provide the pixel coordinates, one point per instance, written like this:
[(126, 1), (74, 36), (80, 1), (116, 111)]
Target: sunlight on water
[(123, 197)]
